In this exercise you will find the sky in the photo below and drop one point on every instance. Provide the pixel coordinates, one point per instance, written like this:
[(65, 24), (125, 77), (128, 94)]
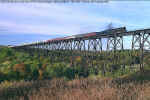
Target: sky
[(30, 22)]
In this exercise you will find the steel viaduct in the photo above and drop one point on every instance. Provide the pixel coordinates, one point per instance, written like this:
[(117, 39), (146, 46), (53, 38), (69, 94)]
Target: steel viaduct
[(91, 43)]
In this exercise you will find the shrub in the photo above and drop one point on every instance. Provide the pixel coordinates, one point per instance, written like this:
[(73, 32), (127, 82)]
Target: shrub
[(5, 52)]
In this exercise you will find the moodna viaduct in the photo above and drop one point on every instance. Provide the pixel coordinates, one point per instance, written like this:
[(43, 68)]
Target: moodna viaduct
[(91, 44)]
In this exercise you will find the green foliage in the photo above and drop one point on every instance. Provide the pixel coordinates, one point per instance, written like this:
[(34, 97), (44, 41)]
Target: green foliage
[(57, 70), (147, 60), (16, 65), (4, 53)]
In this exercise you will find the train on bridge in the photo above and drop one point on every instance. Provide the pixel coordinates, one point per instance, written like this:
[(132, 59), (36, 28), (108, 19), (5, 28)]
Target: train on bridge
[(92, 43)]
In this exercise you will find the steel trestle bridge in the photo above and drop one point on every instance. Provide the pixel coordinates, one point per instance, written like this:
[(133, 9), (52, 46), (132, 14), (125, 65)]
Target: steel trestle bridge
[(92, 43)]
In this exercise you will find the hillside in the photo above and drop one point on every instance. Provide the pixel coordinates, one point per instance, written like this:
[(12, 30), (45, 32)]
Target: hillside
[(2, 46), (22, 74)]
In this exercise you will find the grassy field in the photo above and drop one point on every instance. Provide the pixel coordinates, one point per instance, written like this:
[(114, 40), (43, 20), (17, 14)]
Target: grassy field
[(126, 87)]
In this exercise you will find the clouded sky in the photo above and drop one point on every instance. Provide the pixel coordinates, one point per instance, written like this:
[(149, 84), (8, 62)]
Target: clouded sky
[(28, 22)]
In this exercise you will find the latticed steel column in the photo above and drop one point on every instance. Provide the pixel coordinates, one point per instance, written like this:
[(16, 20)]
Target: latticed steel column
[(141, 41), (50, 46), (58, 45), (146, 40), (95, 45), (137, 43), (67, 45), (76, 45), (98, 44), (91, 45), (61, 45), (81, 45), (115, 43)]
